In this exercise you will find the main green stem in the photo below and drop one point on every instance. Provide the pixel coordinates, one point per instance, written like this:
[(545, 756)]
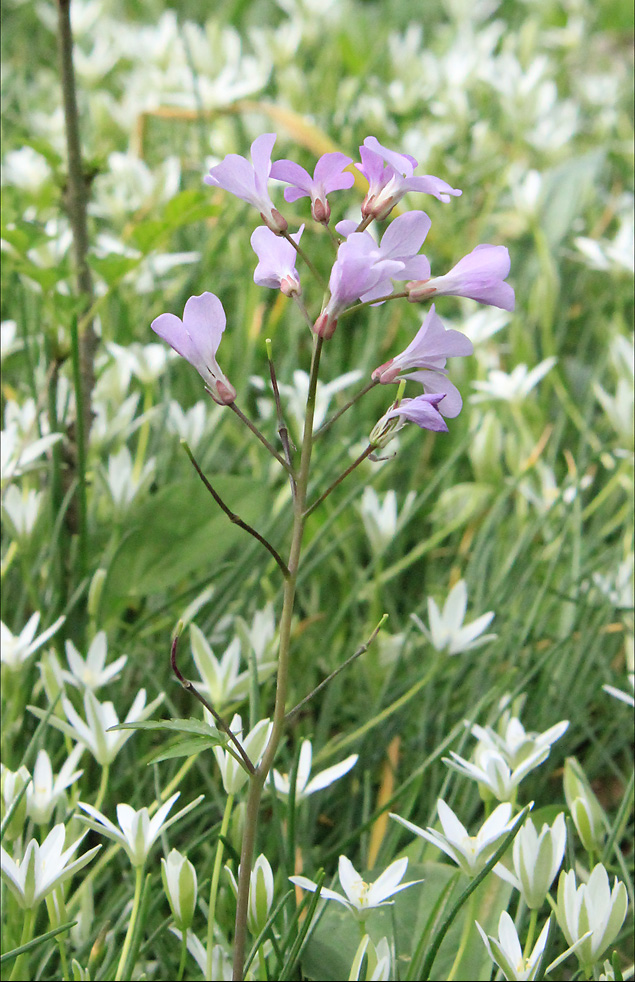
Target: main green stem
[(258, 779)]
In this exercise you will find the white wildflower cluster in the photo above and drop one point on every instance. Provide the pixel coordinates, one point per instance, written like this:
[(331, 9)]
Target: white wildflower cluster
[(590, 916), (38, 865)]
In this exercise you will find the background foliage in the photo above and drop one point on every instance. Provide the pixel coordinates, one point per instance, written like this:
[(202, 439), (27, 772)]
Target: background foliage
[(527, 107)]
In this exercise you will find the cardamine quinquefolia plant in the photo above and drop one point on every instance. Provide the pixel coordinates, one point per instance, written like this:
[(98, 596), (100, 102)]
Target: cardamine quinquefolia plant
[(363, 274)]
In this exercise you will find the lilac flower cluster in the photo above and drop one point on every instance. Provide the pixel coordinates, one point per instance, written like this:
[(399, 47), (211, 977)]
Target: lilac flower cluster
[(363, 271)]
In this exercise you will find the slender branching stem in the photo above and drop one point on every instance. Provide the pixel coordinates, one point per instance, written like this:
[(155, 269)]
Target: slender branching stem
[(258, 779), (218, 719), (349, 661), (370, 303), (365, 453), (234, 518), (335, 239), (365, 222), (302, 254), (260, 436), (283, 431), (340, 412), (302, 308)]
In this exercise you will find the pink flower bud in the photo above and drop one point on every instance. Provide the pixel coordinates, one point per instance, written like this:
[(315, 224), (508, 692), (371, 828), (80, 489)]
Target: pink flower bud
[(325, 326), (321, 211)]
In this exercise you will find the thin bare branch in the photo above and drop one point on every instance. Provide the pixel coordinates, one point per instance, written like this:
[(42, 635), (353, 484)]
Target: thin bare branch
[(349, 661), (366, 453), (235, 518), (220, 722), (263, 439)]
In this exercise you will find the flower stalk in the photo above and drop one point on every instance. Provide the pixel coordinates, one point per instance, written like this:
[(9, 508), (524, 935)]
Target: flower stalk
[(362, 274), (27, 935), (257, 780), (136, 904), (283, 431), (362, 457)]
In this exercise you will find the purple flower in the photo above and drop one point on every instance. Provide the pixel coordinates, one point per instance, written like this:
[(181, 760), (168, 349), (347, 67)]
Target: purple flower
[(422, 410), (249, 181), (427, 352), (276, 268), (328, 176), (479, 276), (400, 243), (196, 338), (357, 269), (390, 175)]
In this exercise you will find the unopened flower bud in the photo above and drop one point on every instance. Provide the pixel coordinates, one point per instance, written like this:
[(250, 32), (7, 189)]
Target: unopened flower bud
[(586, 811), (290, 286), (325, 326), (83, 930), (387, 372), (80, 974), (51, 677), (591, 909), (260, 893), (95, 591), (275, 221), (385, 429), (12, 784), (379, 206), (179, 882), (223, 393), (537, 857), (321, 211), (372, 961), (515, 454), (418, 290)]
